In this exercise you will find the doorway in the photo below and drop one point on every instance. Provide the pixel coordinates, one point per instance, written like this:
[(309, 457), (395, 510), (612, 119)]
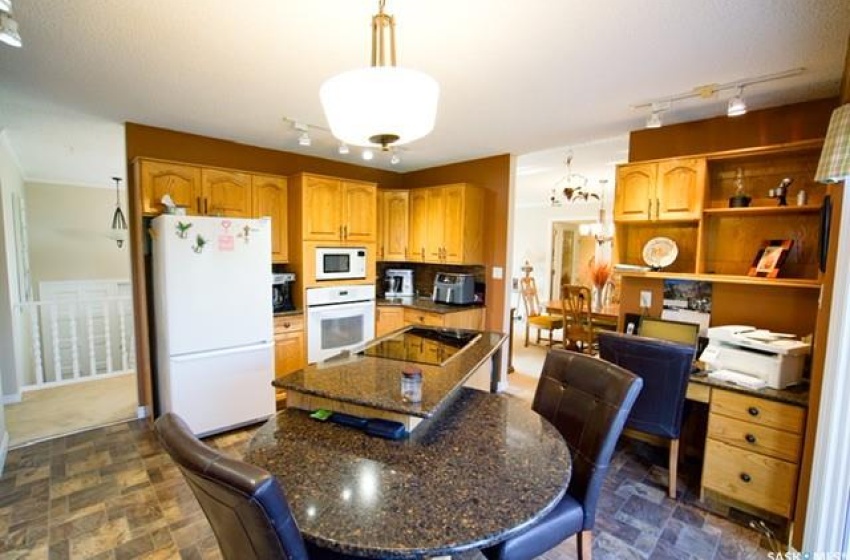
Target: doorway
[(565, 253)]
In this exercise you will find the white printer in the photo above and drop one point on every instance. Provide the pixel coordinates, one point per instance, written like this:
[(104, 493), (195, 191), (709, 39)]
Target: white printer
[(775, 358)]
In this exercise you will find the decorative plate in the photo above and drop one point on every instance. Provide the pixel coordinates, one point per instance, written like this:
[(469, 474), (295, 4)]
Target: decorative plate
[(660, 252)]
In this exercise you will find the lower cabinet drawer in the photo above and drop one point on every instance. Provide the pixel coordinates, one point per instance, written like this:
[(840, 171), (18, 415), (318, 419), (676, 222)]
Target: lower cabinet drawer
[(752, 437), (750, 477), (288, 323), (415, 317)]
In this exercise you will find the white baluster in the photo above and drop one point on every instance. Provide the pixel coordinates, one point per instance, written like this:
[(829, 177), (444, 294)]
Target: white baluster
[(125, 365), (54, 330), (35, 333), (75, 351), (90, 339), (107, 338)]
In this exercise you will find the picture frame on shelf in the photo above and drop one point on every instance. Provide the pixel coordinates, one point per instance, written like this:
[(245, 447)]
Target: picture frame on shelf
[(770, 257)]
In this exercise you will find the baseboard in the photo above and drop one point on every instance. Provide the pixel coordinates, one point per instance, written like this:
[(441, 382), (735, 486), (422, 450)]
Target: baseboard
[(4, 449), (11, 399), (142, 412)]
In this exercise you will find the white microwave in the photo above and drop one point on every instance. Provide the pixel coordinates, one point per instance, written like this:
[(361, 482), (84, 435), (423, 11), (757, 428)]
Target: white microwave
[(340, 263)]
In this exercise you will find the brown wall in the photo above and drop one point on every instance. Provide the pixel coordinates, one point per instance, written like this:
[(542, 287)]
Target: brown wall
[(147, 141), (766, 127), (494, 174)]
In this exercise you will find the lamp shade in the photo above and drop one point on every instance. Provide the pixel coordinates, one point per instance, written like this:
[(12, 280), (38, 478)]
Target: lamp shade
[(380, 105), (834, 164)]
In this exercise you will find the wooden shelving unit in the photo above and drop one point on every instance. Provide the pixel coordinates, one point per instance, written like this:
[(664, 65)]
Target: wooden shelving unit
[(728, 279), (763, 210)]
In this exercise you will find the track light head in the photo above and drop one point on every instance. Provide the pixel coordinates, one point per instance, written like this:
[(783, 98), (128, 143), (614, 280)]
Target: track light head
[(737, 106), (368, 155), (343, 149), (653, 120), (304, 139)]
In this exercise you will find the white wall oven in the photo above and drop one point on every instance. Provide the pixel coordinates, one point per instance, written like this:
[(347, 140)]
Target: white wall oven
[(340, 263), (339, 318)]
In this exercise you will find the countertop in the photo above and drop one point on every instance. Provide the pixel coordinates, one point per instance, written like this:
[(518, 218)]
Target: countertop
[(794, 394), (289, 313), (376, 382), (481, 471), (424, 303)]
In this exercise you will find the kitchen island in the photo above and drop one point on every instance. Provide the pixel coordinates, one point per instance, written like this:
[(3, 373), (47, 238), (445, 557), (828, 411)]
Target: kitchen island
[(370, 385)]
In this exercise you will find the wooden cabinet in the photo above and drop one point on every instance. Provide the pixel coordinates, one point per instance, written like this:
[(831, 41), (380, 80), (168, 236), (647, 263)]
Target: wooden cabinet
[(418, 233), (465, 319), (269, 197), (224, 193), (388, 319), (393, 225), (752, 450), (289, 352), (156, 178), (337, 210), (203, 191), (446, 224), (669, 190)]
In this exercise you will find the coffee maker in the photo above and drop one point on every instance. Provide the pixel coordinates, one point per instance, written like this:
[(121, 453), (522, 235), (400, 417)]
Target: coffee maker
[(282, 292), (398, 282)]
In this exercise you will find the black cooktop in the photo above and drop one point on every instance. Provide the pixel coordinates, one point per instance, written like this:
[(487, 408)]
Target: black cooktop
[(432, 346)]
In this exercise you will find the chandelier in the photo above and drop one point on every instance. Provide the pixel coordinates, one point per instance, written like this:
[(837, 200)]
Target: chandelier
[(572, 186), (601, 229), (384, 104)]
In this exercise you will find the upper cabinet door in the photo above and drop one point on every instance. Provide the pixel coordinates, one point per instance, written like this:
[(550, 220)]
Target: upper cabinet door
[(226, 193), (395, 223), (454, 224), (322, 209), (418, 235), (436, 220), (360, 212), (269, 197), (680, 189), (635, 192), (158, 178)]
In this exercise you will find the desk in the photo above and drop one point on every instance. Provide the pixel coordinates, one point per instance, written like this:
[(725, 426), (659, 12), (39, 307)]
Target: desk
[(480, 471)]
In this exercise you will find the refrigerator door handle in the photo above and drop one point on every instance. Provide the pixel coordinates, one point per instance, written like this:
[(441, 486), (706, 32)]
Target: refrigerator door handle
[(223, 352)]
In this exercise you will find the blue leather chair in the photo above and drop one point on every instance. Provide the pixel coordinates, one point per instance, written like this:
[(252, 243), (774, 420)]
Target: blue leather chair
[(244, 504), (588, 401), (665, 368)]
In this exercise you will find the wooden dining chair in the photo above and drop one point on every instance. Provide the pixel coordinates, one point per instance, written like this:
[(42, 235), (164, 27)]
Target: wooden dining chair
[(534, 316), (579, 331)]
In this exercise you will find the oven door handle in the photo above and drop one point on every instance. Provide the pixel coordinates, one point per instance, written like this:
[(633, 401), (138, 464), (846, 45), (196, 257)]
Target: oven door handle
[(341, 306)]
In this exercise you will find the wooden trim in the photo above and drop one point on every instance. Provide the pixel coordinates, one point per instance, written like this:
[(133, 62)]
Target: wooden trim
[(728, 279)]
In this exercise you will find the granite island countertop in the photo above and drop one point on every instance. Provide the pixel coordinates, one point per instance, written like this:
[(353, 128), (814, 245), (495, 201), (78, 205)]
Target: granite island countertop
[(481, 471), (375, 382)]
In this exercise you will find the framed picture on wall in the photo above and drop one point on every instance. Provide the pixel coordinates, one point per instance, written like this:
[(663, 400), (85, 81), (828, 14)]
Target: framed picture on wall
[(769, 259)]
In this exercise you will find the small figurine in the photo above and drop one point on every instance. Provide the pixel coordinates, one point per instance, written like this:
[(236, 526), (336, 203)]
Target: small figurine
[(740, 199), (781, 191), (199, 244)]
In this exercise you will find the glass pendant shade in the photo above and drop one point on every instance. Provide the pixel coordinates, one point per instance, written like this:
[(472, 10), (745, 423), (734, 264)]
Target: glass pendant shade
[(380, 105)]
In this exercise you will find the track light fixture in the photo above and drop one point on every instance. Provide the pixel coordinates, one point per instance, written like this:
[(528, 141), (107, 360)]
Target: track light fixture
[(8, 26), (343, 149), (321, 138), (735, 107), (395, 159), (368, 154)]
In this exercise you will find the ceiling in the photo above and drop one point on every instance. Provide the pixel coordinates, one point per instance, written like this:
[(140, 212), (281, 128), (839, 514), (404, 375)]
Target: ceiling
[(530, 78)]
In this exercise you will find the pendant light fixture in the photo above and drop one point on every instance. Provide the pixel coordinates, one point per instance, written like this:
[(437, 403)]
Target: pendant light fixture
[(119, 223), (382, 105)]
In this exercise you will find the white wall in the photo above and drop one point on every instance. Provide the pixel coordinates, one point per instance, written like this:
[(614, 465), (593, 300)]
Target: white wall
[(11, 186), (69, 229)]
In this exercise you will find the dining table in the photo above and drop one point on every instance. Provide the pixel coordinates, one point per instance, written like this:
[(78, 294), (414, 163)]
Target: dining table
[(606, 316), (484, 469)]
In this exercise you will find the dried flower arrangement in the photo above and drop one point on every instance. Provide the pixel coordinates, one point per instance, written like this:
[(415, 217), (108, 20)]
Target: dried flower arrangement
[(600, 273)]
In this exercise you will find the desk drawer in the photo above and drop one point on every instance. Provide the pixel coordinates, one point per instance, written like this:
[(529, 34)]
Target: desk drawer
[(288, 323), (754, 409), (753, 437), (750, 477)]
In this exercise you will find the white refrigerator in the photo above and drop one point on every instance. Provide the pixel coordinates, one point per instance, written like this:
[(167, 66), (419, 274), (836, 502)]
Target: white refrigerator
[(214, 324)]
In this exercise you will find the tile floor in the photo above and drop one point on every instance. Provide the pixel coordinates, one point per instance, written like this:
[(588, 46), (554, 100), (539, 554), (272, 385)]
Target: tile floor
[(112, 493)]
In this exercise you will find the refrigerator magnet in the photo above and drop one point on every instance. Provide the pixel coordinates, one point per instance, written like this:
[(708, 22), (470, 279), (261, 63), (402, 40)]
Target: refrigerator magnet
[(200, 242), (225, 240), (182, 229)]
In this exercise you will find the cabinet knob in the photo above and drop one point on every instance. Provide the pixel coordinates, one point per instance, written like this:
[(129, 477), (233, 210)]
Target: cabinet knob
[(745, 477), (750, 438), (657, 208), (753, 411), (287, 325), (649, 209), (200, 209)]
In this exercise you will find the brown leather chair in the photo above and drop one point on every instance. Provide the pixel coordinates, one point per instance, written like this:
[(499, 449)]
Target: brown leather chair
[(534, 316), (244, 504), (588, 401)]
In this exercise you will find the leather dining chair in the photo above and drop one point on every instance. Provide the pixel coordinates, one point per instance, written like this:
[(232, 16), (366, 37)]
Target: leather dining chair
[(588, 401), (534, 316), (245, 505), (665, 368), (579, 332)]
